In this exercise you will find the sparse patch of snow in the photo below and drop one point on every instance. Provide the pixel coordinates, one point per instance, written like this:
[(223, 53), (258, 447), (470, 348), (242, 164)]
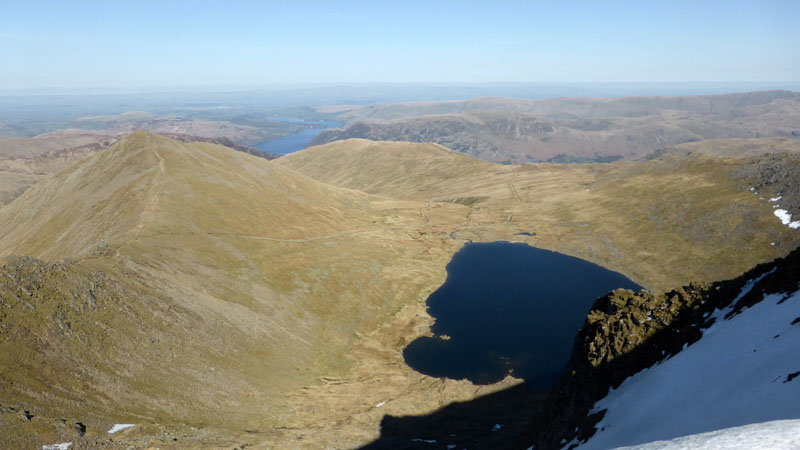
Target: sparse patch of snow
[(380, 404), (451, 446), (778, 434), (783, 215), (775, 199), (717, 383), (120, 427), (427, 441), (497, 427), (786, 218), (63, 446)]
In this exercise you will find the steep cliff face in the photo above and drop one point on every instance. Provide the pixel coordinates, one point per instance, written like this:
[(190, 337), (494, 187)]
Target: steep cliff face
[(626, 333)]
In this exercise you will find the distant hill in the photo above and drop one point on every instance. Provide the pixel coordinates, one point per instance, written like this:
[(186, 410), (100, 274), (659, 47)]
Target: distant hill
[(565, 107), (136, 120), (574, 129), (26, 161)]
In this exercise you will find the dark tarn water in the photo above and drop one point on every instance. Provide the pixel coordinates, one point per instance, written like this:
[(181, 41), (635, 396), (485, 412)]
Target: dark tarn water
[(298, 141), (509, 308)]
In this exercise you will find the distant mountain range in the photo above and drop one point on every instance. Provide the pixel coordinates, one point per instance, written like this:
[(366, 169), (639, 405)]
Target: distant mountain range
[(573, 129)]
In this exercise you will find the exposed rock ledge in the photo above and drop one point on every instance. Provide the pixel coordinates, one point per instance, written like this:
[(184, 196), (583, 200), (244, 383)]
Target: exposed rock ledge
[(627, 332)]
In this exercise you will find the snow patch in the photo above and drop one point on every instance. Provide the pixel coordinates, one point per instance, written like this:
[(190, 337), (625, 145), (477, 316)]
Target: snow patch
[(786, 218), (775, 199), (778, 434), (427, 441), (380, 404), (497, 427), (120, 427), (783, 215), (63, 446), (718, 382)]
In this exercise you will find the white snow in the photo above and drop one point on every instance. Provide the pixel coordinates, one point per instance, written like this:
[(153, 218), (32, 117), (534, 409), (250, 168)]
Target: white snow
[(120, 427), (775, 199), (775, 435), (783, 215), (786, 218), (380, 404), (736, 375), (63, 446)]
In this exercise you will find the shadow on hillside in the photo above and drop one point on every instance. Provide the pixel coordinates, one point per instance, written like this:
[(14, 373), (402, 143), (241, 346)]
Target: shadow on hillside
[(527, 416), (490, 422)]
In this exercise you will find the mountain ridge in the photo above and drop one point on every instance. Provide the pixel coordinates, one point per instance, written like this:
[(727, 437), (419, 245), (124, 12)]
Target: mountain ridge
[(573, 129)]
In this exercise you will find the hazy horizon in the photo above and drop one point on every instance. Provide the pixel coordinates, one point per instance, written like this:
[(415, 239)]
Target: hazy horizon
[(586, 88), (49, 46)]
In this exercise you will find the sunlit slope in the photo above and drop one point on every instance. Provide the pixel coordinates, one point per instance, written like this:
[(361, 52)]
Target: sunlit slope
[(90, 202), (395, 169), (148, 182), (659, 222), (200, 284), (38, 145), (735, 148)]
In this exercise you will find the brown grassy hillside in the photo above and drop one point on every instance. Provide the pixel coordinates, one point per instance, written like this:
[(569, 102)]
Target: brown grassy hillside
[(223, 300), (221, 282), (659, 222)]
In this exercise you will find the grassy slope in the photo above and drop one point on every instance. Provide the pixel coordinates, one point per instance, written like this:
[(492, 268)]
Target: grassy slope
[(661, 223), (234, 293), (30, 147), (27, 161), (733, 148), (226, 284)]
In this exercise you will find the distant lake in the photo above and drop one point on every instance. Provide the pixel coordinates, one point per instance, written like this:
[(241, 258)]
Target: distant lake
[(298, 141), (509, 308)]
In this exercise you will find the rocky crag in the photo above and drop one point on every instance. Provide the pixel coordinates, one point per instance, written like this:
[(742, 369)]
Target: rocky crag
[(627, 332)]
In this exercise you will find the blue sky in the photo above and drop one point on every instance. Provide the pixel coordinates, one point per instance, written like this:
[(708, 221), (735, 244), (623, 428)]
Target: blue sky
[(145, 43)]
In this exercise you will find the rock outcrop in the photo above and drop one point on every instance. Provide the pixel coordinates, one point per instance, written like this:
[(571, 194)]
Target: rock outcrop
[(627, 332)]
